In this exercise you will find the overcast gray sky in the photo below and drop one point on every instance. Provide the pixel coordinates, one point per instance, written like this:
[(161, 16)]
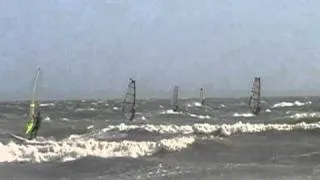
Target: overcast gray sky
[(91, 48)]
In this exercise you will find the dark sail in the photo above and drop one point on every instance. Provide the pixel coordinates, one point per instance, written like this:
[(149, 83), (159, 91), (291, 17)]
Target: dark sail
[(254, 101), (129, 102), (175, 105), (202, 98)]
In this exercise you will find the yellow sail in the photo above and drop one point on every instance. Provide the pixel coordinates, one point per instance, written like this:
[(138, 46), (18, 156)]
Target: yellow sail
[(33, 106), (29, 124)]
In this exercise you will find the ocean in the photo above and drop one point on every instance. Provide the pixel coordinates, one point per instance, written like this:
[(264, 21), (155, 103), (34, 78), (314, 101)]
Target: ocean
[(89, 139)]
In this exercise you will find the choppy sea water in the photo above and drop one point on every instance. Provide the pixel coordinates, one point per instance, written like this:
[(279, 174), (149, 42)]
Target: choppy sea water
[(89, 139)]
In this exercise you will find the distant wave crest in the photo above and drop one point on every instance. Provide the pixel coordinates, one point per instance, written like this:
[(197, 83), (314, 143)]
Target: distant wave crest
[(290, 104)]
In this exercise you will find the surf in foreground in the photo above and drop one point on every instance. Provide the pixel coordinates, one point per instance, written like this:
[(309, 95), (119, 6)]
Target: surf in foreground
[(221, 138)]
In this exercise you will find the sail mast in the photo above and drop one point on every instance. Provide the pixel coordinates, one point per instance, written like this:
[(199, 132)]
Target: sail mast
[(34, 90), (35, 85), (133, 109)]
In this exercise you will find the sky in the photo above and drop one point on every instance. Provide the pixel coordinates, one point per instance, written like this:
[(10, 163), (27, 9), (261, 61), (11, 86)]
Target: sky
[(90, 48)]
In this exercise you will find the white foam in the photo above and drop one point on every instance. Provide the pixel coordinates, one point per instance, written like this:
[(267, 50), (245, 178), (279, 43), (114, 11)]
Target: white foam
[(47, 119), (170, 111), (115, 108), (46, 104), (199, 116), (243, 115), (290, 104), (195, 104), (76, 147), (84, 109), (205, 128), (305, 115), (268, 110), (65, 119), (90, 127)]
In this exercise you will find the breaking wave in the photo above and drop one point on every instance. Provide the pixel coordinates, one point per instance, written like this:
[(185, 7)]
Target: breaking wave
[(199, 116), (76, 147), (170, 111), (205, 128), (243, 115), (47, 104), (290, 104), (84, 109), (305, 115), (195, 104)]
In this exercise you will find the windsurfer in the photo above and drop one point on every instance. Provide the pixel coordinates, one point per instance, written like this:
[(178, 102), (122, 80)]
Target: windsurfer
[(257, 110), (202, 102), (250, 99), (133, 112), (175, 108), (36, 118)]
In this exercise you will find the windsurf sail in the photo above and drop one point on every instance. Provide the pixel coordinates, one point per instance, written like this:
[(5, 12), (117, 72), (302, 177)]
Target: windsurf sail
[(129, 102), (202, 98), (33, 104), (175, 104), (254, 100)]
